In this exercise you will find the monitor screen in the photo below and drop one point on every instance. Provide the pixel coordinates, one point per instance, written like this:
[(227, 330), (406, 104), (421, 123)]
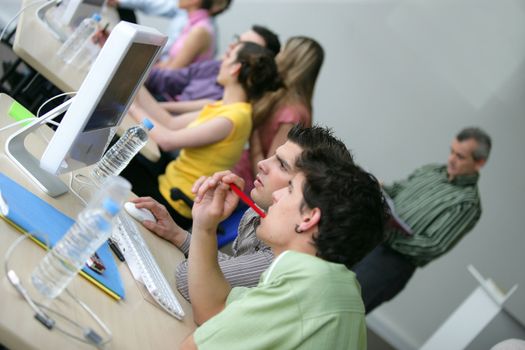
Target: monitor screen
[(103, 98), (108, 111)]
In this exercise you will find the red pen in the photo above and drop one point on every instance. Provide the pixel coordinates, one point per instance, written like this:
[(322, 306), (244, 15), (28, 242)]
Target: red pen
[(247, 200)]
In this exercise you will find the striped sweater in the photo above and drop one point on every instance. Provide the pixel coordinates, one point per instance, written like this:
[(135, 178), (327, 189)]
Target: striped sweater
[(440, 212), (242, 269)]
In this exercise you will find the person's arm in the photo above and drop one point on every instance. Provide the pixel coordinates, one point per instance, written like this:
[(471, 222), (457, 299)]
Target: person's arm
[(197, 42), (165, 8), (208, 288), (138, 113), (188, 343), (244, 270), (204, 134), (443, 233), (165, 227), (179, 107), (145, 106), (171, 82), (393, 189)]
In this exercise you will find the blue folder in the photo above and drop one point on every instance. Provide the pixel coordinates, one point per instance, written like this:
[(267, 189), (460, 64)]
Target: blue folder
[(29, 213)]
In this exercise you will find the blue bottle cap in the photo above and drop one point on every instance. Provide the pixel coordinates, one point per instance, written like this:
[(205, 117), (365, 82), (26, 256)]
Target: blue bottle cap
[(147, 123), (110, 206), (96, 16)]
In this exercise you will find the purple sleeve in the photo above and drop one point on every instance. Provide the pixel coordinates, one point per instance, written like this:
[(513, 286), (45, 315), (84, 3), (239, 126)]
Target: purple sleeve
[(168, 81)]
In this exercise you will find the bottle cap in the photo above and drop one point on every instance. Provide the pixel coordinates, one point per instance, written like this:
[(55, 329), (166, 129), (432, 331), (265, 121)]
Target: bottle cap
[(147, 123), (110, 206), (96, 17)]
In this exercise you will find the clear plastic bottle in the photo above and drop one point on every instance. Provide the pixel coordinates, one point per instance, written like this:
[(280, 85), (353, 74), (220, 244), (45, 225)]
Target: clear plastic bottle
[(119, 156), (84, 31), (68, 256)]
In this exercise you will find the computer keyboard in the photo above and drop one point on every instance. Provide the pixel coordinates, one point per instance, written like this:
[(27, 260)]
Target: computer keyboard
[(143, 266)]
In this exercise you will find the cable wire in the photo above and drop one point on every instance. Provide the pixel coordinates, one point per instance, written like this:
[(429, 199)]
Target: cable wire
[(90, 336), (18, 14)]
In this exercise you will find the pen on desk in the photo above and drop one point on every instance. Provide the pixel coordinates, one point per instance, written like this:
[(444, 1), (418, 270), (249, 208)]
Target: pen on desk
[(247, 200), (114, 247)]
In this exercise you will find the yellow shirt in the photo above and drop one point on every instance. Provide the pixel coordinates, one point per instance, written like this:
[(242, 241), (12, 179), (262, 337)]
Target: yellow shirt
[(193, 163)]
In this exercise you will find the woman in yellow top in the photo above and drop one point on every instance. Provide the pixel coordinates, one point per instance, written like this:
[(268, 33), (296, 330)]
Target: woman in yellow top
[(210, 140)]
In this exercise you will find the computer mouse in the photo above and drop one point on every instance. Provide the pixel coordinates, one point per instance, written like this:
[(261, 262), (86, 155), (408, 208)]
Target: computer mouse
[(139, 214)]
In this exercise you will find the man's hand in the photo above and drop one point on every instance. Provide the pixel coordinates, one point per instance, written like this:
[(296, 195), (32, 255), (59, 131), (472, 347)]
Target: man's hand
[(165, 227), (214, 200)]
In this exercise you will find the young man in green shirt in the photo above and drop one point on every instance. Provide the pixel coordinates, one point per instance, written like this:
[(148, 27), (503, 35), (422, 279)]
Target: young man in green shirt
[(440, 202), (328, 217)]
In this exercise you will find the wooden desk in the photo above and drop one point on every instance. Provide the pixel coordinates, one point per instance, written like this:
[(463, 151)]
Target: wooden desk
[(36, 44), (136, 323)]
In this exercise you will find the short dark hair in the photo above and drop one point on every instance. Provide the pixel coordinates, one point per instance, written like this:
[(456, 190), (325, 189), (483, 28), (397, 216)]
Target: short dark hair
[(270, 38), (318, 137), (206, 4), (258, 72), (353, 210), (482, 152), (227, 4)]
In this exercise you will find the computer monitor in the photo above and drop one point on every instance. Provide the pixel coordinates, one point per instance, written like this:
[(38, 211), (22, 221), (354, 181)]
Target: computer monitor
[(94, 114)]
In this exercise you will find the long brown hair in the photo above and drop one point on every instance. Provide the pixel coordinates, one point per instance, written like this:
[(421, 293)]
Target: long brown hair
[(299, 64)]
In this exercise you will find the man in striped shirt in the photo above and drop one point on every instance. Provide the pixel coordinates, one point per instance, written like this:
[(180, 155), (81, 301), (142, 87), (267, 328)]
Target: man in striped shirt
[(250, 256), (440, 203)]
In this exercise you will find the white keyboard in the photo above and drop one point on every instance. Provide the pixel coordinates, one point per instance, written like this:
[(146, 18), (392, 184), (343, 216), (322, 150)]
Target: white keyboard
[(143, 266)]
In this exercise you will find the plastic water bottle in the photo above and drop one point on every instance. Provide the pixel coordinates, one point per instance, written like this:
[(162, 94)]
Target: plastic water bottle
[(119, 156), (86, 28), (68, 256)]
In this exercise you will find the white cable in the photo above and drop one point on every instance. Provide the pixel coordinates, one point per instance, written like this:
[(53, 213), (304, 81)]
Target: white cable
[(72, 190), (16, 123), (18, 14), (53, 98), (38, 307)]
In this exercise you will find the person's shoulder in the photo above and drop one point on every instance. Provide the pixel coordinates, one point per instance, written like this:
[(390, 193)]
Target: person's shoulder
[(310, 276), (434, 167)]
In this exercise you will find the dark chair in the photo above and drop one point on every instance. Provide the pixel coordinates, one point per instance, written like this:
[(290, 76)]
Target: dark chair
[(227, 229)]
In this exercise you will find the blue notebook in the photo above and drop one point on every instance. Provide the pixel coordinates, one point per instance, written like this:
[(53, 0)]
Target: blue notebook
[(29, 213)]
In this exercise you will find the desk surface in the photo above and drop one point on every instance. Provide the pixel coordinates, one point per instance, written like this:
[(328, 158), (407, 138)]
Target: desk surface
[(37, 46), (136, 322)]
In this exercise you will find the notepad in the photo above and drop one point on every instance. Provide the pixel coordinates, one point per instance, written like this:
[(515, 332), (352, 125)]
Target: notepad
[(29, 213)]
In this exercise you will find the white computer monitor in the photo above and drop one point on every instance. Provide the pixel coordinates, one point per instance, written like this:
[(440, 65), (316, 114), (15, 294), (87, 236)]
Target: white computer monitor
[(94, 114)]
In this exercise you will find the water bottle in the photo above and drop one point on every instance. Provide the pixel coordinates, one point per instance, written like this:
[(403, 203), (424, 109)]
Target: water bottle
[(87, 27), (92, 228), (86, 55), (119, 156)]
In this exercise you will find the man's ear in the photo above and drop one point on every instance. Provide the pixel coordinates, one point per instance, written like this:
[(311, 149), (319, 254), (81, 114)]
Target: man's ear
[(235, 69), (310, 219), (479, 164)]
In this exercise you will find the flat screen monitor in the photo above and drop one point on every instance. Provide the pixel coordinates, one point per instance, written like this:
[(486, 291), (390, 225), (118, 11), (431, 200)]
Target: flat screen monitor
[(103, 98), (94, 114)]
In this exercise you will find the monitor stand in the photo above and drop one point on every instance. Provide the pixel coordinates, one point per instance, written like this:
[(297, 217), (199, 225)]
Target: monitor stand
[(16, 150)]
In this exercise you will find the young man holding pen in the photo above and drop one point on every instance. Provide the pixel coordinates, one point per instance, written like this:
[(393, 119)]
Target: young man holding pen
[(250, 256), (326, 219)]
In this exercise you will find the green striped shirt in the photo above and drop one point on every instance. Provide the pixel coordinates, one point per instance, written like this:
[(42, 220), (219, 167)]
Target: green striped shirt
[(440, 212)]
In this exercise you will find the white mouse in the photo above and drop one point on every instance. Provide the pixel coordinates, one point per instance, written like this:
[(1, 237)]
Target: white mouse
[(139, 214)]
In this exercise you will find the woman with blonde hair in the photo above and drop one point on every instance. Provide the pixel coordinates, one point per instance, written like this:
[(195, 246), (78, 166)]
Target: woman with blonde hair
[(277, 112)]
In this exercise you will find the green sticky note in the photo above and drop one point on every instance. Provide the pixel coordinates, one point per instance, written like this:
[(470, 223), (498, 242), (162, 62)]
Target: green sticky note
[(19, 112)]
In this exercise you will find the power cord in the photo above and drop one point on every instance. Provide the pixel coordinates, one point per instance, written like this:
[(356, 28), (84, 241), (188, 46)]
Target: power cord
[(42, 312), (85, 181), (38, 115), (22, 10)]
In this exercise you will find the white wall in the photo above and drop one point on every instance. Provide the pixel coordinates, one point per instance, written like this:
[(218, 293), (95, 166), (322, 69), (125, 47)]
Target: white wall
[(399, 80)]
